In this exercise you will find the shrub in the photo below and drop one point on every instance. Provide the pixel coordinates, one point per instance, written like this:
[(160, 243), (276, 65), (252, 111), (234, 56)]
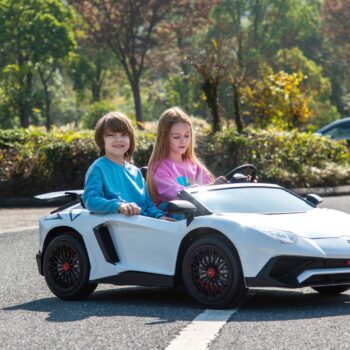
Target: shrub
[(33, 161), (288, 158)]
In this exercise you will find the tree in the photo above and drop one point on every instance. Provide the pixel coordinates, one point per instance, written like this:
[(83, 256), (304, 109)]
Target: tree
[(278, 98), (34, 34), (228, 18), (210, 63), (317, 85), (336, 18), (140, 32), (128, 29), (336, 31), (89, 68)]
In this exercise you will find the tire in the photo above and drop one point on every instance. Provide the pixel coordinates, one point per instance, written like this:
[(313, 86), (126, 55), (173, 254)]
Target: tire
[(66, 268), (212, 273), (332, 290)]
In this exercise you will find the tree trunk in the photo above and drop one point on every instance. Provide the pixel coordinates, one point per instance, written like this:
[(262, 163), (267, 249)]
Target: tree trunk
[(211, 92), (48, 110), (135, 85), (23, 114), (237, 107), (25, 102), (44, 82), (96, 91)]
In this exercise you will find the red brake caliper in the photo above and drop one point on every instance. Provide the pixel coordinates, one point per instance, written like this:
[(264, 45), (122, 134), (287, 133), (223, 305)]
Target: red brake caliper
[(66, 266), (211, 272)]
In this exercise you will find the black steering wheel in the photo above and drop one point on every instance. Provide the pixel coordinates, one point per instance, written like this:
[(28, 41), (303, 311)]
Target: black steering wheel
[(235, 174)]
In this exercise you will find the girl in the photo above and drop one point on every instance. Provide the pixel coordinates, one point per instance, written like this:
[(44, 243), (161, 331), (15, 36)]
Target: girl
[(173, 164), (112, 185)]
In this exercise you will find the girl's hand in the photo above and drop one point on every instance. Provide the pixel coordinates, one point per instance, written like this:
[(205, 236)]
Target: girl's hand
[(129, 209), (220, 180), (166, 218)]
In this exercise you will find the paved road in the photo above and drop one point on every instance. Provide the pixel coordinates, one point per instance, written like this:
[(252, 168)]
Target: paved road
[(150, 318)]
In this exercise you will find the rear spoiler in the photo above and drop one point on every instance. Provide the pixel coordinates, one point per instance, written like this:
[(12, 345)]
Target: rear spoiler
[(74, 197)]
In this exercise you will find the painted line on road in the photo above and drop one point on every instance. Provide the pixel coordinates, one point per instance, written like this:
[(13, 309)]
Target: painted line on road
[(20, 229), (202, 330)]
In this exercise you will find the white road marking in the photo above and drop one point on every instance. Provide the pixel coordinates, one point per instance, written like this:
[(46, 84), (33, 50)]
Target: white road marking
[(201, 331), (20, 229)]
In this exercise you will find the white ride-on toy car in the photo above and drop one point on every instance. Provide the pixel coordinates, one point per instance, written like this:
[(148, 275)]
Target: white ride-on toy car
[(234, 236)]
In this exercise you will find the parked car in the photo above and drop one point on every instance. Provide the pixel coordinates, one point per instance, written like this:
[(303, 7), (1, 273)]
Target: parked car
[(337, 130), (234, 236)]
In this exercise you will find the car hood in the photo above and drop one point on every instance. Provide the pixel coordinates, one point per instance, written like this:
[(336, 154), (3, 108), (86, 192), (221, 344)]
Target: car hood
[(315, 223)]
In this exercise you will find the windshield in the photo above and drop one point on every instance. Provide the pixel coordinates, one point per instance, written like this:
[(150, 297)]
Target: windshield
[(251, 200)]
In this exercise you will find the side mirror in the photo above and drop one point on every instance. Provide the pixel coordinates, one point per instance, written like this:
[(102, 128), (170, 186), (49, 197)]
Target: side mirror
[(314, 199), (180, 206), (184, 207)]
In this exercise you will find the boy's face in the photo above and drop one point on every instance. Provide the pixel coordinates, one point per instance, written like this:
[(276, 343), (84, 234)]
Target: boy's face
[(116, 145)]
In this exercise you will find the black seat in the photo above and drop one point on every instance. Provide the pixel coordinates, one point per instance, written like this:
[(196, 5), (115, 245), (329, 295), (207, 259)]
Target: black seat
[(144, 172)]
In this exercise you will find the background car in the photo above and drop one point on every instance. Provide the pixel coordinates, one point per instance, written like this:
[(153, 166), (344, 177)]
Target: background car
[(337, 130)]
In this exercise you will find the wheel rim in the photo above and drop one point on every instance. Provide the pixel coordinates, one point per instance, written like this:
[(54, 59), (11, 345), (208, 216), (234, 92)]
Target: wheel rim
[(65, 266), (210, 273)]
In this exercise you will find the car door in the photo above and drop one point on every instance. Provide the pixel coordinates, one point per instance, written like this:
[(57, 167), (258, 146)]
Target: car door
[(146, 244)]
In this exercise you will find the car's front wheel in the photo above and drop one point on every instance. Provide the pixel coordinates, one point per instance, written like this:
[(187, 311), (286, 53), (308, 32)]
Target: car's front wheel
[(212, 273), (66, 268), (332, 290)]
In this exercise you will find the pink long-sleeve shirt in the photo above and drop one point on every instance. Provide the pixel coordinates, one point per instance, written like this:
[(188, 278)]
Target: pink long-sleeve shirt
[(170, 178)]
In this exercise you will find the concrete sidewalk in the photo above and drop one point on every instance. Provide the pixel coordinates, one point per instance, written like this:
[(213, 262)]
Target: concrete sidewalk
[(21, 218), (324, 191)]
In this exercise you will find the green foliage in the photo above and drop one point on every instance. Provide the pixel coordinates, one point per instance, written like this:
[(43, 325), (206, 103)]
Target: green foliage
[(315, 85), (34, 35), (290, 158), (277, 99), (33, 161), (95, 111)]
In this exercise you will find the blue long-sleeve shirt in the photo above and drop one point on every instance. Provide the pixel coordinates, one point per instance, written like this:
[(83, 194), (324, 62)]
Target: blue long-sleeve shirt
[(108, 184)]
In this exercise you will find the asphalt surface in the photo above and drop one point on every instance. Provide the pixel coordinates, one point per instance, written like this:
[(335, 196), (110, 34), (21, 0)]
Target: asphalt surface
[(150, 318)]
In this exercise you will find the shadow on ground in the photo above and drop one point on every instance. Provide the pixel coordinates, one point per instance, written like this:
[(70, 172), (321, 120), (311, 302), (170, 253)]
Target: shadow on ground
[(165, 304), (173, 304)]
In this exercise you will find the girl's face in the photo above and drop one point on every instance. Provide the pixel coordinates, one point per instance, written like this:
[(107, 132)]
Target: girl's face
[(179, 140), (116, 145)]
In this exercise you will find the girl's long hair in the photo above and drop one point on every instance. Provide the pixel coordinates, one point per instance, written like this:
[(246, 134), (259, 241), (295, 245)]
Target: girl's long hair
[(160, 152)]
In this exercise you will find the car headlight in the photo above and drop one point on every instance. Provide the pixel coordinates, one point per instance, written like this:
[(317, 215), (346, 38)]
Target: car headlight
[(285, 237)]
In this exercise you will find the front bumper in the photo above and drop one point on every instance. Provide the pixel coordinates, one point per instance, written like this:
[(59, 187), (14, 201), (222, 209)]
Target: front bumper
[(296, 272), (39, 263)]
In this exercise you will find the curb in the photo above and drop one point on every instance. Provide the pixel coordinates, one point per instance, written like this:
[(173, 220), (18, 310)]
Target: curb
[(324, 191), (30, 202)]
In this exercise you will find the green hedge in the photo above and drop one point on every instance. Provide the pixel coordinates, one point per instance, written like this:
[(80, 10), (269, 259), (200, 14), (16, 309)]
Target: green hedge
[(292, 159), (33, 161)]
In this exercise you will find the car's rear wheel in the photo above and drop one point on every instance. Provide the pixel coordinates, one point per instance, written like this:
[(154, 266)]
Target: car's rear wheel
[(332, 290), (212, 273), (67, 268)]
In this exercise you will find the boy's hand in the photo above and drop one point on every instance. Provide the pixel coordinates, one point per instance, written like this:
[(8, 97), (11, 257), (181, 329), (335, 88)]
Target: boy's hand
[(166, 218), (129, 209)]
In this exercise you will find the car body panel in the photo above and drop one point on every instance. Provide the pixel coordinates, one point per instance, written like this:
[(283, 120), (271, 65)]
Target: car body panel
[(152, 246)]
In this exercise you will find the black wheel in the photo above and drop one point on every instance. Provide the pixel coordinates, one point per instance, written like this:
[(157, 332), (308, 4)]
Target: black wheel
[(67, 268), (212, 273), (332, 290)]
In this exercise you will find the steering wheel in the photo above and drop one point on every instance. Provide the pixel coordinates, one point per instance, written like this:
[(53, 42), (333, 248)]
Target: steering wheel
[(235, 176)]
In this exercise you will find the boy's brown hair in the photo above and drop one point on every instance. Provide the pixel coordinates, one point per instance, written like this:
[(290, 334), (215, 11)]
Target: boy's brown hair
[(115, 122)]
